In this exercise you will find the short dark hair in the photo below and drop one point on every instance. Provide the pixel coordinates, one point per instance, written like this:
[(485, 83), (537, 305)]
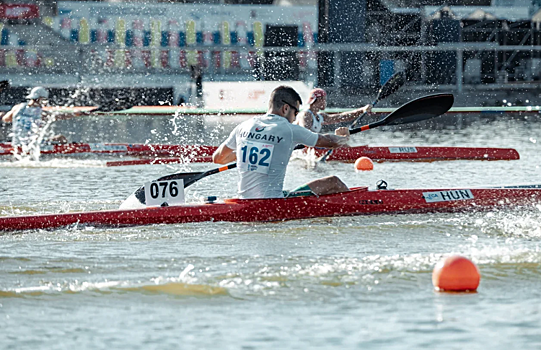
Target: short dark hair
[(283, 94)]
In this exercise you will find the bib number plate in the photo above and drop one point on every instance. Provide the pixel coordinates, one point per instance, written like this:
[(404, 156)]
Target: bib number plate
[(159, 192), (448, 196), (100, 147), (402, 149), (256, 156)]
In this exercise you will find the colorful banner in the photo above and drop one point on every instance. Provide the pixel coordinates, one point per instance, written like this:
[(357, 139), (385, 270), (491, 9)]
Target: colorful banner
[(189, 24)]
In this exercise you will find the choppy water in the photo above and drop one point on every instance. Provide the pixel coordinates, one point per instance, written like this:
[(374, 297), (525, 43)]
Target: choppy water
[(362, 282)]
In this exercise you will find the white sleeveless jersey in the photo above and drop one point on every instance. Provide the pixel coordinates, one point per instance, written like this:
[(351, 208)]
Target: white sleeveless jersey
[(263, 147), (317, 121), (26, 125)]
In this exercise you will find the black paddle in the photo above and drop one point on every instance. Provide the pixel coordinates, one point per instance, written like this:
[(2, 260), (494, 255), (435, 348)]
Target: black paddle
[(188, 178), (414, 111), (395, 82)]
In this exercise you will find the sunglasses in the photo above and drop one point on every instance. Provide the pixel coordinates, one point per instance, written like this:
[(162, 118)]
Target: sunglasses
[(293, 107)]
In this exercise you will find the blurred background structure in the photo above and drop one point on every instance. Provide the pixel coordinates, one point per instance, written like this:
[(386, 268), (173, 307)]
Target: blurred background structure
[(487, 52)]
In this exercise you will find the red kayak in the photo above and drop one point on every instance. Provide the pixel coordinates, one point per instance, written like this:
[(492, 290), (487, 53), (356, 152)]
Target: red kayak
[(424, 154), (200, 153), (129, 149), (359, 201), (378, 154)]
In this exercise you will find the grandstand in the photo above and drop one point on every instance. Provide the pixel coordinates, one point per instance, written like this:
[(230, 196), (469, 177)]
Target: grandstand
[(447, 45)]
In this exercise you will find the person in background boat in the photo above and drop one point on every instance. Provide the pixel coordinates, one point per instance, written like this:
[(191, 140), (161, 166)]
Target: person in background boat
[(313, 119), (29, 119), (263, 145)]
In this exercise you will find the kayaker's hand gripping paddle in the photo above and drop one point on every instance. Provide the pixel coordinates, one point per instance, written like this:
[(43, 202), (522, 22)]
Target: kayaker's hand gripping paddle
[(423, 108), (395, 82)]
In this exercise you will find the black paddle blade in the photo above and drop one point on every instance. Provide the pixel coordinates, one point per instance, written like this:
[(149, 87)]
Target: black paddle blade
[(421, 109), (189, 178), (395, 82), (414, 111)]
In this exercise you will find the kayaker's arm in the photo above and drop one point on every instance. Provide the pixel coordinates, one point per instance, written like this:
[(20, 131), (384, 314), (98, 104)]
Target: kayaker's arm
[(224, 155), (55, 115), (8, 117), (305, 120), (345, 116), (340, 139)]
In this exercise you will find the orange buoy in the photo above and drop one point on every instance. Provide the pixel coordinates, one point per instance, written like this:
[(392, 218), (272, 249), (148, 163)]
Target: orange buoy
[(364, 164), (456, 274)]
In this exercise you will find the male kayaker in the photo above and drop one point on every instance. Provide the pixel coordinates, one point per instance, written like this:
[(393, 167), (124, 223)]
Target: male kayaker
[(29, 118), (262, 147), (313, 119)]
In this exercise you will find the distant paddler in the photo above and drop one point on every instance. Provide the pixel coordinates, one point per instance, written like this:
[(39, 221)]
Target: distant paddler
[(30, 120), (313, 118), (262, 147)]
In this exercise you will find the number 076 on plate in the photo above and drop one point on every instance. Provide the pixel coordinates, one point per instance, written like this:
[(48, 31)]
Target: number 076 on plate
[(168, 191)]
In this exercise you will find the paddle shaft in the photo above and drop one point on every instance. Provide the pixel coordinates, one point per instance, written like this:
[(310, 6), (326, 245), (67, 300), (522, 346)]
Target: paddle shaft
[(367, 127), (391, 85), (395, 82), (359, 118), (352, 131)]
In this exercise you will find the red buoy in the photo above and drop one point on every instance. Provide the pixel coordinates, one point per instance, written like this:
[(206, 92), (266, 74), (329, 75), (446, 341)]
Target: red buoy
[(364, 164), (456, 274)]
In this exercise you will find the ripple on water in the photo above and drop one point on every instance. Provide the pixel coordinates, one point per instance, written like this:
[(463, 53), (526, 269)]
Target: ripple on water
[(366, 280), (284, 277)]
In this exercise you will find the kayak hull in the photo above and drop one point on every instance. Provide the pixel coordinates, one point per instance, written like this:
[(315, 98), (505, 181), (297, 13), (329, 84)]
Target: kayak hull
[(426, 154), (359, 201), (128, 149), (201, 153)]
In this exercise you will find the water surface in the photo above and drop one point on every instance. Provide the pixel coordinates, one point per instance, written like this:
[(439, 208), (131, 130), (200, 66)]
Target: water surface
[(360, 282)]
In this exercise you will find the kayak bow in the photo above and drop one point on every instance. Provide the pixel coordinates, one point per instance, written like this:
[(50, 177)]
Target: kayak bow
[(130, 149), (359, 201), (423, 154)]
